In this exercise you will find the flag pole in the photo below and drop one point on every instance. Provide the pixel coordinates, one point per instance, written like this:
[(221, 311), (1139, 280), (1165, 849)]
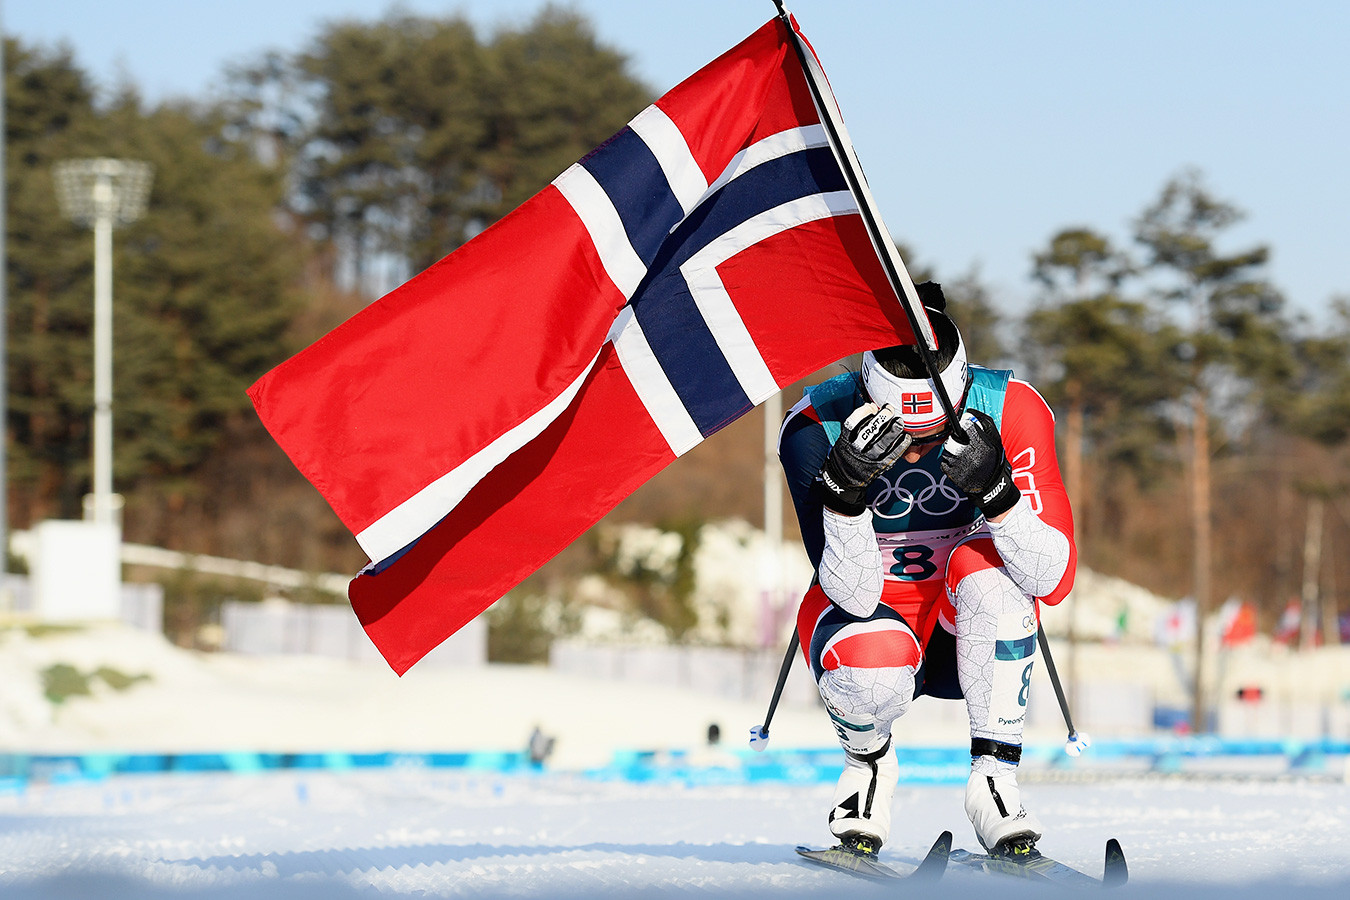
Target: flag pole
[(896, 273), (891, 263)]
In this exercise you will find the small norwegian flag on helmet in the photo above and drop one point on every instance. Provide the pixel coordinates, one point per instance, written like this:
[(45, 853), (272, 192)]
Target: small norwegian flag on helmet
[(917, 404)]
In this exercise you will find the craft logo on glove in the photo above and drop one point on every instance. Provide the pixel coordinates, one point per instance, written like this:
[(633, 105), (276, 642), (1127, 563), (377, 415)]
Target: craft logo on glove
[(872, 428)]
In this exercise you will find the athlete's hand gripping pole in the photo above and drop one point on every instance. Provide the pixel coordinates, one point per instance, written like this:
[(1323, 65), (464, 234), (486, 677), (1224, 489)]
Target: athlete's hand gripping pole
[(973, 459)]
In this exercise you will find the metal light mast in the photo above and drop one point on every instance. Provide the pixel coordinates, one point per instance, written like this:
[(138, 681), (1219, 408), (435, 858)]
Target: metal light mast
[(102, 193)]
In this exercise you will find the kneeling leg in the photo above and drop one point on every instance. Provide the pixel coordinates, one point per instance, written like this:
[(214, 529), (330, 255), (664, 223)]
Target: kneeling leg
[(865, 670)]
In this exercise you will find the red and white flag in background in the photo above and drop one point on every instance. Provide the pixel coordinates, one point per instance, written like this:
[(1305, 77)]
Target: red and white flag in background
[(472, 423)]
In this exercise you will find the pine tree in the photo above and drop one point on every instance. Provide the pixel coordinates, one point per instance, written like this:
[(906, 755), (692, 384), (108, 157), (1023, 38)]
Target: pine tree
[(409, 135), (1234, 338), (203, 288), (1102, 359)]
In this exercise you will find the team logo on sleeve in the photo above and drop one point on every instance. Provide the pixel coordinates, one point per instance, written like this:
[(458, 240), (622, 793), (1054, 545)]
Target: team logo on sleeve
[(916, 404)]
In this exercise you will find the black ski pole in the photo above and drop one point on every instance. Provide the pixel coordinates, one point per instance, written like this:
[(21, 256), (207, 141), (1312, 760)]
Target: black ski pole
[(759, 735), (1076, 743)]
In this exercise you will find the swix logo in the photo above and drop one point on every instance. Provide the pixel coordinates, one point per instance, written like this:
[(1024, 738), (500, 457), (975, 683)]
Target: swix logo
[(913, 404), (993, 492)]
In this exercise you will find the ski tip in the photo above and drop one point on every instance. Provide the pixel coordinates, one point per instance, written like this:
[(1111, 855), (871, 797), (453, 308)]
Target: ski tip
[(1117, 871), (932, 866)]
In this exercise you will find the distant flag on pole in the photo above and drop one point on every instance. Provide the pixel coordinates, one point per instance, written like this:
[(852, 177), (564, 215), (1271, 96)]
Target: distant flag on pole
[(472, 423)]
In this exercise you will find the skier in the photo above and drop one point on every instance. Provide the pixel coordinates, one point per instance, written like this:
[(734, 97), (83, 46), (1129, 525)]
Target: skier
[(932, 543)]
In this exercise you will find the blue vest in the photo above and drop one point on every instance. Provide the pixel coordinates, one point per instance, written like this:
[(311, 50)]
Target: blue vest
[(911, 497)]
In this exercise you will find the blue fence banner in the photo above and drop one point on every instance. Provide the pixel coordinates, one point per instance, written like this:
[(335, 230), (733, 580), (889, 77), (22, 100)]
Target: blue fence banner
[(918, 765)]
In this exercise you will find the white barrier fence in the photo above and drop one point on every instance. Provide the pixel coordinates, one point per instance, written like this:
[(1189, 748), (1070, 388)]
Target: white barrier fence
[(1104, 707), (139, 605), (722, 671), (276, 627)]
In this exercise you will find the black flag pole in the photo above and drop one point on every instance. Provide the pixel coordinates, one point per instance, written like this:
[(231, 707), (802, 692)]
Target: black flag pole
[(882, 243), (891, 263)]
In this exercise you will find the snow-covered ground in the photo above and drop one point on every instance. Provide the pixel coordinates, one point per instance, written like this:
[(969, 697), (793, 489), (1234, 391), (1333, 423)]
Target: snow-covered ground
[(428, 833), (432, 832)]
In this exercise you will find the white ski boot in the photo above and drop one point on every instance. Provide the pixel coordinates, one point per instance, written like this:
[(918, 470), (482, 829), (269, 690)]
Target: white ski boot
[(861, 813), (994, 806)]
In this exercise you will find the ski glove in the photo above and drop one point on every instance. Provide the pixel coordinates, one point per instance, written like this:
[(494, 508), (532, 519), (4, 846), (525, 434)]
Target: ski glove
[(872, 440), (973, 459)]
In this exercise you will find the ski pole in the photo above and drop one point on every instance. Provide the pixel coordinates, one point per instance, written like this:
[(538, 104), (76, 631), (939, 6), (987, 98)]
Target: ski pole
[(759, 735), (1076, 743)]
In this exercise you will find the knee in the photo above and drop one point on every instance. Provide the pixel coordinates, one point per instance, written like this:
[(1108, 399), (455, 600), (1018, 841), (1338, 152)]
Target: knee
[(869, 695), (866, 671)]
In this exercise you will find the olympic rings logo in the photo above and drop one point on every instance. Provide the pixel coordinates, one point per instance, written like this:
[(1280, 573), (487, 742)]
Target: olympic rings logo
[(897, 492)]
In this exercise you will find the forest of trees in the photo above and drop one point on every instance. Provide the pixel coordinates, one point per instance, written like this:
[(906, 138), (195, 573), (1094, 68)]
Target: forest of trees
[(1190, 401)]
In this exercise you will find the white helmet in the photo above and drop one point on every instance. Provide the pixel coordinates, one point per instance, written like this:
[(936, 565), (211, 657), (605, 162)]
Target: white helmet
[(916, 399)]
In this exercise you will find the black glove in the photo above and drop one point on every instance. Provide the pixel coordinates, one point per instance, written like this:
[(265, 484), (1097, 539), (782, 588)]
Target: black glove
[(974, 461), (872, 440)]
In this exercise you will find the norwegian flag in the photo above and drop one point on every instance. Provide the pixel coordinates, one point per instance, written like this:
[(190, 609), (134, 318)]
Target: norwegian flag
[(915, 404), (472, 423)]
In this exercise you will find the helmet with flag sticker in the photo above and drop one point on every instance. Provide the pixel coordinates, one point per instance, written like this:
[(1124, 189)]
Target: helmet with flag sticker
[(898, 376)]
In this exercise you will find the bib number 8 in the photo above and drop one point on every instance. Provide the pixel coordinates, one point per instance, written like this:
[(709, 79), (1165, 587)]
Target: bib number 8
[(911, 556)]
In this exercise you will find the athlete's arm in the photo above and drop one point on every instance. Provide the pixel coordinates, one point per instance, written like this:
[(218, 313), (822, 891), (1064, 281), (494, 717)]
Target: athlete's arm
[(843, 549), (1035, 537)]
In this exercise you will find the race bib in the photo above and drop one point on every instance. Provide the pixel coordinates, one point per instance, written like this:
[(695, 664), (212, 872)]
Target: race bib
[(910, 556)]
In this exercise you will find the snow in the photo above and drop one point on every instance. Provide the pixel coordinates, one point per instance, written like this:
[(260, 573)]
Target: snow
[(220, 701), (575, 829), (428, 833)]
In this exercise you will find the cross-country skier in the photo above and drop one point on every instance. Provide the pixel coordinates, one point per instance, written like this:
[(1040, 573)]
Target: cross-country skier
[(932, 542)]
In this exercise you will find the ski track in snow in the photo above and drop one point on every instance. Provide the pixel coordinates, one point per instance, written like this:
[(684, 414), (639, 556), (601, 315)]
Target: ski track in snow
[(428, 833)]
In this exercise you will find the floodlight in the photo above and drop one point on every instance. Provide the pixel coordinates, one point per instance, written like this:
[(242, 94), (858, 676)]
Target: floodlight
[(102, 193)]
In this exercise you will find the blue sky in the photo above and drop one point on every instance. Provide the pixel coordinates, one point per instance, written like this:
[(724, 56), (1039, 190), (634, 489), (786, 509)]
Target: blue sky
[(983, 127)]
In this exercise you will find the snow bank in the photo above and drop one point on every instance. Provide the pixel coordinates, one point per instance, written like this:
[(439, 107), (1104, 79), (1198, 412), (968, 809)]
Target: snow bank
[(195, 701)]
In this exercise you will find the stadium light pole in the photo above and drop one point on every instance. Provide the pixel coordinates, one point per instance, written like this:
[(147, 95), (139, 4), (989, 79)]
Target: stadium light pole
[(102, 193)]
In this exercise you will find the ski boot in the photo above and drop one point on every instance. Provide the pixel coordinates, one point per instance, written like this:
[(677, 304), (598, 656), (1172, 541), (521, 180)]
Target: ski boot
[(1002, 824), (861, 812)]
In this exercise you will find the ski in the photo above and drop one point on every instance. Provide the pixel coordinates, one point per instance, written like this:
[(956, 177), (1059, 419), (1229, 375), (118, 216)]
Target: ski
[(1036, 865), (929, 869)]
